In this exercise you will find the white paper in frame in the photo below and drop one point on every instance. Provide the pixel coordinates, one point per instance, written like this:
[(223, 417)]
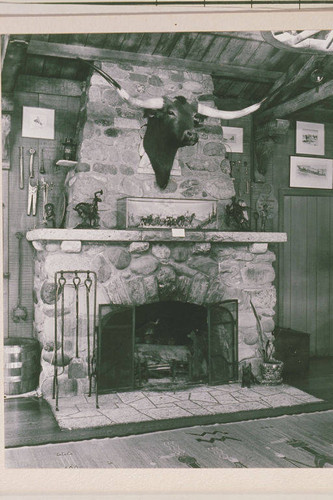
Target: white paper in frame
[(307, 172), (310, 138), (233, 139), (38, 123)]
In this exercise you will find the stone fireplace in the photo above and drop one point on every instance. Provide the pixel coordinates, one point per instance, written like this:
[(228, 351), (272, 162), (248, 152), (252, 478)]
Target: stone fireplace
[(136, 268), (140, 267)]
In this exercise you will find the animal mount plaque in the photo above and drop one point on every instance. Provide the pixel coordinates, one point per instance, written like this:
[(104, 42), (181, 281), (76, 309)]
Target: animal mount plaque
[(161, 214), (171, 125)]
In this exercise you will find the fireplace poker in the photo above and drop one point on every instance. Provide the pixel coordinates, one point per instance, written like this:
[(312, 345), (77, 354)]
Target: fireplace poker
[(21, 168), (20, 313)]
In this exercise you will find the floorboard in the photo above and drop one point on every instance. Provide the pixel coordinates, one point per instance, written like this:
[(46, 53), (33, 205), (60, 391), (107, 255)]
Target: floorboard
[(296, 441)]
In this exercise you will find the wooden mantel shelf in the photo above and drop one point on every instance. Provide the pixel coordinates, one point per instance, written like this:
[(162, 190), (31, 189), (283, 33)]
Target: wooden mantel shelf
[(124, 235)]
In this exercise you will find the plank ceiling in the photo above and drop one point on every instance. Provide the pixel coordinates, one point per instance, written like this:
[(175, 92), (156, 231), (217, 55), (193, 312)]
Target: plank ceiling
[(241, 52)]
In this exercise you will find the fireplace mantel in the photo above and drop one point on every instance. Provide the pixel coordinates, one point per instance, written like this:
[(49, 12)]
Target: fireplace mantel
[(128, 235)]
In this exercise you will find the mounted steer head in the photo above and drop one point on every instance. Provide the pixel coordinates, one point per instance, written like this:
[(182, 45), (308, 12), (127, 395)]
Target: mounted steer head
[(171, 125)]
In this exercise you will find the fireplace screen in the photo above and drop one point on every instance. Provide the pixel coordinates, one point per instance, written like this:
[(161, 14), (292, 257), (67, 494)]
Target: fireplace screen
[(166, 345)]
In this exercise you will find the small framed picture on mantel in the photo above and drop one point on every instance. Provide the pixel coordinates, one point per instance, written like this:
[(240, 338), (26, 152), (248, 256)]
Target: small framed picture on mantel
[(306, 172), (310, 138)]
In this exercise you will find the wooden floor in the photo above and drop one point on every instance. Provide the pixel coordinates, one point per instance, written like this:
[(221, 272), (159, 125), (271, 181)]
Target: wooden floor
[(29, 421), (294, 441)]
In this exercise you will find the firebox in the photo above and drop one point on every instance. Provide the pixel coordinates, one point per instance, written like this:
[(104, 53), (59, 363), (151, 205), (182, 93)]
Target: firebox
[(166, 345)]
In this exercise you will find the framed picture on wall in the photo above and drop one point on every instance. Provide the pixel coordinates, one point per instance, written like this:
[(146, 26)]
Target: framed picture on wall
[(307, 172), (38, 123), (310, 138), (233, 139)]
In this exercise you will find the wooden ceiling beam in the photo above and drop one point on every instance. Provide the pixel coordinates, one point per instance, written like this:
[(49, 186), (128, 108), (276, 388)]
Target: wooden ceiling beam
[(296, 103), (94, 54), (55, 86), (14, 60), (292, 80)]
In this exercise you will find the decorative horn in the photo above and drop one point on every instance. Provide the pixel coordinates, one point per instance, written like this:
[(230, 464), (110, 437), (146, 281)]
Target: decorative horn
[(227, 115), (152, 103)]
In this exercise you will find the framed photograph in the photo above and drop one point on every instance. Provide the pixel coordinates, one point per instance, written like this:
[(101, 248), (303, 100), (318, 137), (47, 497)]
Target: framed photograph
[(310, 138), (38, 123), (310, 172), (233, 139)]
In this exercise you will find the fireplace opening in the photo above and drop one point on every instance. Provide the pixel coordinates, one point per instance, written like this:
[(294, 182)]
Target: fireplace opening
[(166, 345)]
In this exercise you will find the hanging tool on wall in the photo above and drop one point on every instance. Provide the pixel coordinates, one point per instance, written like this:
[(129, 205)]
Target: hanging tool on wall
[(21, 168), (32, 152), (32, 199), (46, 186), (41, 165), (19, 313), (32, 189)]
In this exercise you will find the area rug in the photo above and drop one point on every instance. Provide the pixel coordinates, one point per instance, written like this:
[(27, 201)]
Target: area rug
[(297, 441)]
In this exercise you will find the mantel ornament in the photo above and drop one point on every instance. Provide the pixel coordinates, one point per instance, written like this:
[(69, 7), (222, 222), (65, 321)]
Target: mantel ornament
[(89, 212)]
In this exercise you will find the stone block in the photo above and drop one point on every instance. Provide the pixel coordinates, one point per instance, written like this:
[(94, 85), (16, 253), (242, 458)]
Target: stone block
[(246, 319), (48, 292), (179, 253), (151, 289), (145, 265), (256, 275), (77, 368), (119, 256), (38, 246), (104, 168), (67, 387), (249, 335), (160, 251), (264, 299), (138, 247), (268, 324), (101, 268), (52, 247), (221, 188), (214, 148), (127, 123), (258, 248), (206, 165), (71, 246), (166, 278), (136, 291), (183, 288), (198, 290), (201, 248), (118, 291), (204, 264)]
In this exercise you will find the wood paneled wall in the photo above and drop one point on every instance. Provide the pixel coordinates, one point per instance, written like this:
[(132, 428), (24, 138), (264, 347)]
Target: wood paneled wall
[(306, 267), (66, 114), (305, 262)]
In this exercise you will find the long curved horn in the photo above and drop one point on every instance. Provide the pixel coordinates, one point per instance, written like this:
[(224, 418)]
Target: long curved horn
[(227, 115), (151, 103)]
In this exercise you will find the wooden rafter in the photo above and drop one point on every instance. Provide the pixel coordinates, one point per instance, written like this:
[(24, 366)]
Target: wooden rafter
[(94, 54), (297, 103), (292, 79)]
